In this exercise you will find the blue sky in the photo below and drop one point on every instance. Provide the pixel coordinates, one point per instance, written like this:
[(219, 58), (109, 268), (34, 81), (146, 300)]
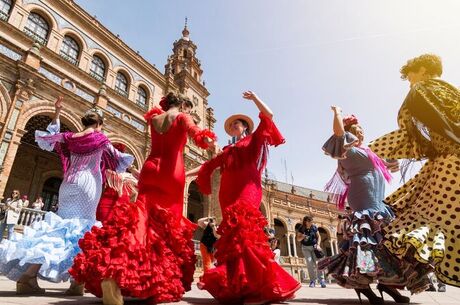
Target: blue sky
[(300, 56)]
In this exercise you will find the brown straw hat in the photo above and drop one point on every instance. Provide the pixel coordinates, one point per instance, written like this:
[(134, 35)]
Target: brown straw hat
[(242, 117)]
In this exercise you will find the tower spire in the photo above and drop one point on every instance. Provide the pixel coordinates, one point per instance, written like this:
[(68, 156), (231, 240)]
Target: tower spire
[(185, 32)]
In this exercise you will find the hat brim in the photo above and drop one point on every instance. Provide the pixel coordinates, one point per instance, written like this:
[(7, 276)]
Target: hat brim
[(242, 117)]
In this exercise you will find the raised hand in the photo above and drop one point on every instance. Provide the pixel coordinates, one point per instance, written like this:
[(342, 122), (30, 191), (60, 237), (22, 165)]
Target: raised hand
[(249, 95), (58, 103), (336, 109)]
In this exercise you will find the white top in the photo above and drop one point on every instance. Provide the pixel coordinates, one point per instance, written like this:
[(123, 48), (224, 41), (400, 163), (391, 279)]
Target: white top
[(277, 253)]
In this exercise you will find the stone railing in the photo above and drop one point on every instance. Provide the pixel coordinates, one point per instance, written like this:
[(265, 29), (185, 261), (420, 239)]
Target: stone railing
[(28, 216)]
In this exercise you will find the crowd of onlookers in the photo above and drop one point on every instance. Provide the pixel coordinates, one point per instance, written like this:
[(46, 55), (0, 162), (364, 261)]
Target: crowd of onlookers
[(10, 211)]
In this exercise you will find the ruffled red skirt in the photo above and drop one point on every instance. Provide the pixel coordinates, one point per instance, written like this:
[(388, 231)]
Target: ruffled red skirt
[(146, 249), (246, 271)]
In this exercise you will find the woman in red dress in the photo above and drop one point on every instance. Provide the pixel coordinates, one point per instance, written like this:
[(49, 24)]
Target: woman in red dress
[(246, 271), (118, 186), (145, 249)]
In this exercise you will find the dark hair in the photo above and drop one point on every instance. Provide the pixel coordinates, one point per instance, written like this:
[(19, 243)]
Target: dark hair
[(186, 102), (432, 63), (91, 118), (245, 124), (308, 218), (172, 100), (277, 242)]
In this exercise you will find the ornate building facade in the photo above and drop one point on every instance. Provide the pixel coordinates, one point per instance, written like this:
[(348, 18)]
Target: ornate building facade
[(284, 205), (54, 47), (51, 48)]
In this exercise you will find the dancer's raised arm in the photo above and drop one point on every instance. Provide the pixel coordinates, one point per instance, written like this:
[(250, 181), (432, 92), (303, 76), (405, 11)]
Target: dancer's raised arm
[(57, 108), (338, 128), (249, 95)]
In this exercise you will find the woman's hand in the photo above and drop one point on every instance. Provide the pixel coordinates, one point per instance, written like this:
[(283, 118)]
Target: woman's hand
[(336, 109), (57, 108), (249, 95), (58, 103)]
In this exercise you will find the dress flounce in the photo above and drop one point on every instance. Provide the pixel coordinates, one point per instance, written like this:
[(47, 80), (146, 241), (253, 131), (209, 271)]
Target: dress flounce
[(246, 270), (52, 242), (200, 138), (337, 146), (147, 251), (363, 259)]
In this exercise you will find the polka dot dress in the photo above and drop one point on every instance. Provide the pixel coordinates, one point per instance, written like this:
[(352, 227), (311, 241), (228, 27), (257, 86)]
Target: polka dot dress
[(427, 206)]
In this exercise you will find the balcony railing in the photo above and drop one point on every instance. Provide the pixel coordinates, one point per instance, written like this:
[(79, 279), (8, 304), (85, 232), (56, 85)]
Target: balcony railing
[(142, 105), (97, 77), (35, 37), (121, 92), (3, 16), (72, 60), (28, 216)]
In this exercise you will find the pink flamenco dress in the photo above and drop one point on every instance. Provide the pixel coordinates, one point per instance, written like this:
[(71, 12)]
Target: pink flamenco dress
[(246, 271), (146, 246)]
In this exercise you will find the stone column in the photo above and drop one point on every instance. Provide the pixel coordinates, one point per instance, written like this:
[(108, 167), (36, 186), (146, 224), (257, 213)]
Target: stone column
[(294, 244), (288, 245)]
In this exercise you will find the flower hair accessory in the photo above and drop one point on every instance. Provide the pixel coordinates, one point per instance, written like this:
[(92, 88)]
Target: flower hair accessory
[(164, 103), (349, 120), (95, 110)]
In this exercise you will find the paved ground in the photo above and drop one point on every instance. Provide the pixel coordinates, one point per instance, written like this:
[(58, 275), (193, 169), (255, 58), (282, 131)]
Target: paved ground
[(333, 294)]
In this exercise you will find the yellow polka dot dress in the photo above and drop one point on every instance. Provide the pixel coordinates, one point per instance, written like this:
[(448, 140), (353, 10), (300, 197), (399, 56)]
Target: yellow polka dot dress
[(427, 207)]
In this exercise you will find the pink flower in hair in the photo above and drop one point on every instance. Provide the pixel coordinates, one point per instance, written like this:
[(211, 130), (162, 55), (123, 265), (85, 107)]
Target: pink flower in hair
[(349, 120)]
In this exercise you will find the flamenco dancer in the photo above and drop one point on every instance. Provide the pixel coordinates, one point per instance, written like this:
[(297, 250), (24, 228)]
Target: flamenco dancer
[(360, 178), (117, 186), (427, 224), (48, 247), (145, 249), (246, 271)]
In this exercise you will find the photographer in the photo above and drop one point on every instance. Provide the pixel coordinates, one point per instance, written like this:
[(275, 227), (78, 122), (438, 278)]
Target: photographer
[(210, 236), (12, 208), (310, 239)]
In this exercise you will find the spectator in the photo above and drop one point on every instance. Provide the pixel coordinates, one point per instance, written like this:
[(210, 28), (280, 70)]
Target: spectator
[(207, 241), (274, 245), (25, 201), (37, 205), (310, 239), (13, 210)]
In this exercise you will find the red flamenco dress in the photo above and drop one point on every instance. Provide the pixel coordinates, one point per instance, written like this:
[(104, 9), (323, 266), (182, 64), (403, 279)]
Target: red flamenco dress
[(146, 246), (246, 271)]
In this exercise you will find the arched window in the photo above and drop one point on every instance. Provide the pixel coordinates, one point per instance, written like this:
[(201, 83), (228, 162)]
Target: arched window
[(141, 97), (97, 69), (37, 28), (70, 50), (121, 84), (5, 8)]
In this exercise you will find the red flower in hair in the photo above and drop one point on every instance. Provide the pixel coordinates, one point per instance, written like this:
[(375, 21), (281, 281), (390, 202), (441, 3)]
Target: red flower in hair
[(349, 120), (164, 103)]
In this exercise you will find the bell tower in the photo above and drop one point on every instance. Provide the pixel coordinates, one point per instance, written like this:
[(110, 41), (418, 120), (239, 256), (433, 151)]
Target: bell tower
[(184, 74)]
